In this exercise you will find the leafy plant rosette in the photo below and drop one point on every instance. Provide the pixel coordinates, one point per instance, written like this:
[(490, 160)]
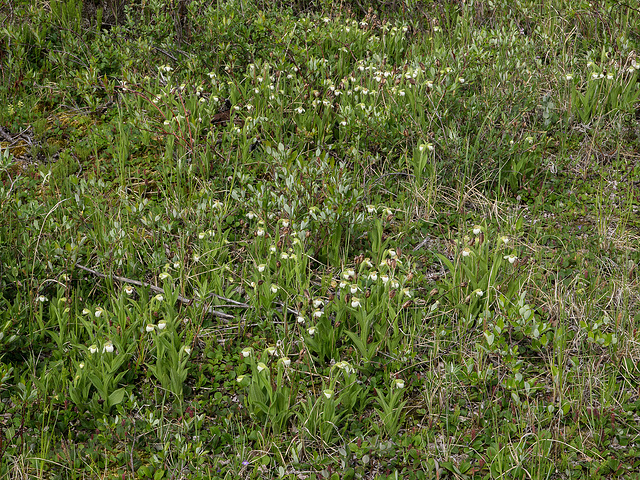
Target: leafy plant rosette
[(323, 415), (605, 90), (390, 407), (478, 275), (96, 383), (268, 399), (170, 347), (172, 356)]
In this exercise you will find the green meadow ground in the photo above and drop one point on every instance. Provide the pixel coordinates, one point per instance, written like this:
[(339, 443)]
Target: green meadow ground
[(331, 239)]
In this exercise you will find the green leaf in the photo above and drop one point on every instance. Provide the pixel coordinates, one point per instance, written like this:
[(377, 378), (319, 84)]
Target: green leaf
[(116, 397), (489, 337), (446, 261)]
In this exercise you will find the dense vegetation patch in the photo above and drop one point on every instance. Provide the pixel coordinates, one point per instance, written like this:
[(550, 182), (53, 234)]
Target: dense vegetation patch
[(319, 239)]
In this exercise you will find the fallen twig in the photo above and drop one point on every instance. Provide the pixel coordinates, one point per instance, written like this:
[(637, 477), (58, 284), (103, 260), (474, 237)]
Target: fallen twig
[(181, 299)]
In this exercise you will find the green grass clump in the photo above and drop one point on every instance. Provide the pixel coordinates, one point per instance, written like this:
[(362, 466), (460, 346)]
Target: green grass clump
[(328, 239)]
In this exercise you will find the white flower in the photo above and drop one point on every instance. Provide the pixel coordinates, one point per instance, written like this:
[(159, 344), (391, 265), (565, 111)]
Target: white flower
[(317, 313), (317, 303), (394, 284), (312, 331), (286, 361), (93, 348), (150, 328), (261, 267), (86, 311), (355, 302), (478, 292), (42, 299), (285, 223), (159, 297), (240, 378), (81, 365), (466, 251), (354, 289), (187, 350), (346, 366), (164, 275), (261, 366), (108, 347), (347, 274), (251, 215), (274, 288), (569, 76), (201, 235), (301, 320), (384, 278), (176, 265), (162, 325), (512, 258), (260, 232), (373, 276), (371, 208), (328, 393), (477, 229), (128, 290), (300, 110), (504, 239), (461, 80), (398, 383), (271, 351), (407, 292), (246, 352), (272, 248), (98, 312)]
